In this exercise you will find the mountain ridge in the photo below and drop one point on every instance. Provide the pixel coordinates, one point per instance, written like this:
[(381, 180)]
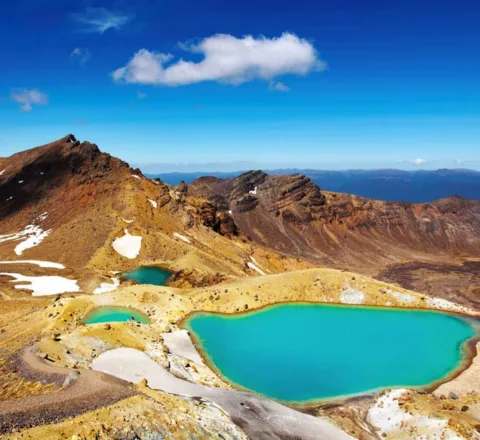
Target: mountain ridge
[(293, 216), (65, 191), (417, 186), (69, 190)]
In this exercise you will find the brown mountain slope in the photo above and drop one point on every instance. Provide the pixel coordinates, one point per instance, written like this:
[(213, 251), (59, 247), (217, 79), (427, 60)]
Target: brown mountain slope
[(293, 216), (67, 202)]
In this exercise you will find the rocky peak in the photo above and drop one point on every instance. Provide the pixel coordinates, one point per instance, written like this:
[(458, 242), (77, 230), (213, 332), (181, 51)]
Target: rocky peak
[(297, 188), (182, 187), (69, 138), (246, 182), (46, 168)]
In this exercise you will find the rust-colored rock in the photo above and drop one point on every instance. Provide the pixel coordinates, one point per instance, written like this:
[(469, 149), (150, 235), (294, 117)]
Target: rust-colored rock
[(291, 215)]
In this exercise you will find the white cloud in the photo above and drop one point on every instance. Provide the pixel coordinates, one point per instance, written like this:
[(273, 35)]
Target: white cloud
[(141, 95), (80, 55), (27, 98), (227, 59), (418, 161), (99, 20), (277, 86)]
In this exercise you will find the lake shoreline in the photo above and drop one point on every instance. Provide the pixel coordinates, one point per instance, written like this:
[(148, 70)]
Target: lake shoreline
[(468, 352)]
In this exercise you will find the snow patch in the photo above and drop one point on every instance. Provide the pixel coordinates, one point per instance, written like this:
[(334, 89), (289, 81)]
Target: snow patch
[(127, 221), (230, 211), (1, 172), (20, 181), (386, 414), (31, 236), (182, 237), (153, 202), (44, 285), (180, 344), (254, 192), (48, 264), (136, 177), (403, 297), (10, 198), (349, 295), (43, 216), (128, 245), (252, 266), (443, 304), (255, 261), (389, 418), (107, 287), (133, 365)]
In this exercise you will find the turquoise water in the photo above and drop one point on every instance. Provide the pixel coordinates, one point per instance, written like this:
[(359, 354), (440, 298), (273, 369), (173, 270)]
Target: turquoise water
[(302, 352), (148, 275), (115, 314)]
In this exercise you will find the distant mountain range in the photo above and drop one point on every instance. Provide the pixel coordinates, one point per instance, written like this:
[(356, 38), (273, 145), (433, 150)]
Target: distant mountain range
[(390, 185)]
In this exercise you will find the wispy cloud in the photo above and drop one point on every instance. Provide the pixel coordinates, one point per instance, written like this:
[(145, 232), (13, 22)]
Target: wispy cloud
[(79, 121), (27, 98), (141, 95), (277, 86), (80, 55), (418, 161), (100, 20), (227, 60)]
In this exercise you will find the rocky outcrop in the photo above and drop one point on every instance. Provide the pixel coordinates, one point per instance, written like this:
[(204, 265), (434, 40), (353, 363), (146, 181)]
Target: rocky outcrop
[(182, 187)]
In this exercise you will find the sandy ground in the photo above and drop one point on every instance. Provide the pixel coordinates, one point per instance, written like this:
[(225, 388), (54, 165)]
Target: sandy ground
[(465, 383)]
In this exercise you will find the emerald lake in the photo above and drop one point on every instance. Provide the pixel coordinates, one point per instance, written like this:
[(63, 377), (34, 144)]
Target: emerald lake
[(115, 314), (148, 275), (308, 352)]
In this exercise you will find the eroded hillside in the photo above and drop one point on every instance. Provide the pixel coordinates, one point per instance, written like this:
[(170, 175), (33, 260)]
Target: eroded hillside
[(293, 216), (69, 203)]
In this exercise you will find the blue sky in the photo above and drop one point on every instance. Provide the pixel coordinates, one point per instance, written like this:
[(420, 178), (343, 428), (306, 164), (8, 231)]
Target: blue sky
[(328, 84)]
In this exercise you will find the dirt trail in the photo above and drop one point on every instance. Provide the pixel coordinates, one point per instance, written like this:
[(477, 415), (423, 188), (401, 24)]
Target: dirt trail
[(86, 391)]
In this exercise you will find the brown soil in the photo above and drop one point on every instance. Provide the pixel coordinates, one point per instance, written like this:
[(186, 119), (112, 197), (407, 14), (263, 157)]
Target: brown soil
[(89, 390), (459, 283)]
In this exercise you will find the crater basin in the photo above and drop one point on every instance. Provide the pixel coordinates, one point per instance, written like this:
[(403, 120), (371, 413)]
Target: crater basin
[(312, 352), (148, 275), (115, 314)]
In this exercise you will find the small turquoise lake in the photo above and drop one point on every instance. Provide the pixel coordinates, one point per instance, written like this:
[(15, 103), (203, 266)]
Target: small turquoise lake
[(115, 314), (309, 352), (148, 275)]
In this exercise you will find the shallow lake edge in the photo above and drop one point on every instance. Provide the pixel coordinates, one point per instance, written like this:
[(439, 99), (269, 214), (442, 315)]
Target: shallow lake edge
[(468, 348), (97, 307), (165, 268)]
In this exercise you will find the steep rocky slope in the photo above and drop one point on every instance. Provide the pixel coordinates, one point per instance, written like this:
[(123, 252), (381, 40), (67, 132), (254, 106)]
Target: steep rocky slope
[(293, 216), (69, 203)]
